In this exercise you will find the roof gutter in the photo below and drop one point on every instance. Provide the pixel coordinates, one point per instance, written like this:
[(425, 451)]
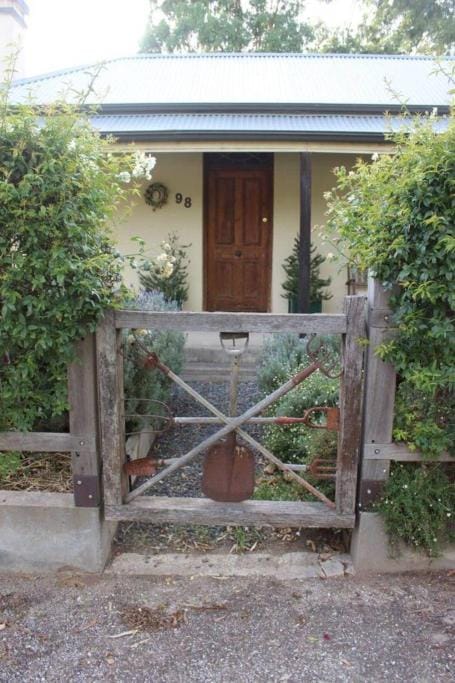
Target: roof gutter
[(267, 108), (222, 136)]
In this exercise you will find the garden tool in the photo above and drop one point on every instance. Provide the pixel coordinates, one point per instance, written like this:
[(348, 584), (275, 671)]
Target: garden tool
[(228, 474)]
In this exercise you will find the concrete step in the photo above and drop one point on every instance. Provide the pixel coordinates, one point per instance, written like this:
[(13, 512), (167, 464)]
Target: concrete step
[(200, 372), (208, 355)]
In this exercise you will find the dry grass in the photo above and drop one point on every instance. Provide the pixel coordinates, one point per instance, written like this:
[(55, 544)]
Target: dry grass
[(148, 619), (40, 472)]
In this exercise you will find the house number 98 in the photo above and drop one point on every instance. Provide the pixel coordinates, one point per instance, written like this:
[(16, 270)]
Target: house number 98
[(179, 198)]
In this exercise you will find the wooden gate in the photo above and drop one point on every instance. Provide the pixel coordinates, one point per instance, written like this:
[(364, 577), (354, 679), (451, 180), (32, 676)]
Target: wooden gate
[(122, 504)]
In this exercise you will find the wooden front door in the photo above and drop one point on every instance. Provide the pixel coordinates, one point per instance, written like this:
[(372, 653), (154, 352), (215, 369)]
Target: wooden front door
[(238, 224)]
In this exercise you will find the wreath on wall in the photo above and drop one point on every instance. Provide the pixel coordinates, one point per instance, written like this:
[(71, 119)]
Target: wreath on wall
[(156, 195)]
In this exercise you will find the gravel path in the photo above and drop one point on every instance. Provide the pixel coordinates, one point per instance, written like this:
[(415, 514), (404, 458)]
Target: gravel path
[(186, 481), (86, 628)]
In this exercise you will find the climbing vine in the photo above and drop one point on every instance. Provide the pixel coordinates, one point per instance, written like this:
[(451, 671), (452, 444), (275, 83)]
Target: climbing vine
[(396, 217), (60, 190)]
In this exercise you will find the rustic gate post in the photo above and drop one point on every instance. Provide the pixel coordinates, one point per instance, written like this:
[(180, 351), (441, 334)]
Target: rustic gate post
[(83, 418), (350, 404), (111, 409), (379, 397)]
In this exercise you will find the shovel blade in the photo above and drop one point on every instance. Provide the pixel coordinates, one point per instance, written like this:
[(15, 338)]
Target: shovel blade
[(228, 475)]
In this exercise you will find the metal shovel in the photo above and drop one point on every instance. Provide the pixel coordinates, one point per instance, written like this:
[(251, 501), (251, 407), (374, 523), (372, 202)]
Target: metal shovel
[(229, 468)]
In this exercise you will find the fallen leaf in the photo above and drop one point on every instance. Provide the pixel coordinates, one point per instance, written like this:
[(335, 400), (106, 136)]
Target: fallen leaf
[(326, 636), (124, 633)]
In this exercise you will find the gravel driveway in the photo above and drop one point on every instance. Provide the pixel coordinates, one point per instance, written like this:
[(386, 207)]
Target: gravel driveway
[(78, 628)]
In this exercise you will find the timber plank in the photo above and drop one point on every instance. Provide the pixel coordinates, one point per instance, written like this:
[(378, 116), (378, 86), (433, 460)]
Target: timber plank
[(110, 402), (158, 509), (37, 442), (83, 416), (186, 321), (350, 405), (374, 452)]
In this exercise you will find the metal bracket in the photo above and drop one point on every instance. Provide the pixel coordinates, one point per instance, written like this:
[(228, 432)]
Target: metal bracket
[(86, 489)]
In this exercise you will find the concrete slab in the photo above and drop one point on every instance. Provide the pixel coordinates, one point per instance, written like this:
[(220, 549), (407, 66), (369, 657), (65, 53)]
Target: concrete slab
[(42, 531), (370, 551), (285, 567)]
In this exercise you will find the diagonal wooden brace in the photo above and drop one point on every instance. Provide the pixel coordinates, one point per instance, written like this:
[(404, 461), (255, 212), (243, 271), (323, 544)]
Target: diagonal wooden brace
[(231, 425)]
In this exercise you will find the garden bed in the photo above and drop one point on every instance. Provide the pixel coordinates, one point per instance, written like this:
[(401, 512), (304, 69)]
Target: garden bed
[(37, 472)]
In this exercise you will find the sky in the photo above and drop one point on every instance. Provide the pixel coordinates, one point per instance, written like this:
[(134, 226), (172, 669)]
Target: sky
[(64, 33)]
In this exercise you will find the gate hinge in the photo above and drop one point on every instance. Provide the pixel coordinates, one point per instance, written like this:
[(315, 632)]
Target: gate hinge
[(86, 489)]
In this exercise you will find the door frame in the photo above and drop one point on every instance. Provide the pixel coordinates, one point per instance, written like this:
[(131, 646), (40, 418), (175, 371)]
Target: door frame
[(241, 162)]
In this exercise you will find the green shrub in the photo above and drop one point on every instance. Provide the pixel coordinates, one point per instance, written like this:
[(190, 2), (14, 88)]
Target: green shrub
[(418, 506), (396, 217), (141, 383), (60, 189), (317, 283), (282, 356), (9, 463), (167, 272)]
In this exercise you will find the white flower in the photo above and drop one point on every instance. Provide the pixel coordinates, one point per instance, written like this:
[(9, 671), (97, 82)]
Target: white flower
[(143, 166), (375, 156), (168, 270), (162, 258), (72, 145), (124, 177), (330, 256)]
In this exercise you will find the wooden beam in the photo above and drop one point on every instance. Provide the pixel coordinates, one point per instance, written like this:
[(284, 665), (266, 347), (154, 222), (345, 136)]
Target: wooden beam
[(83, 415), (161, 510), (399, 452), (303, 292), (41, 442), (380, 382), (349, 441), (185, 321), (111, 409)]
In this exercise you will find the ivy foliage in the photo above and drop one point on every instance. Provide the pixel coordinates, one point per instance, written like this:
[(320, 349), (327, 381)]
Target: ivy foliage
[(59, 191), (418, 506), (396, 217)]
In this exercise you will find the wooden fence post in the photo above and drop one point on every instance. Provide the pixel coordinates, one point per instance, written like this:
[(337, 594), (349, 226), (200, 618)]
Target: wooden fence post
[(350, 405), (83, 416), (379, 396), (111, 409)]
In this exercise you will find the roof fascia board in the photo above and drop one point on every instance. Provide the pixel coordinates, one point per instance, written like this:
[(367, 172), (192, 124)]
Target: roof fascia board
[(222, 136), (267, 108)]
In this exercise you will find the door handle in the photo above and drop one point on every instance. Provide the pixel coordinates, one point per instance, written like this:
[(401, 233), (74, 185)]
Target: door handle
[(238, 253)]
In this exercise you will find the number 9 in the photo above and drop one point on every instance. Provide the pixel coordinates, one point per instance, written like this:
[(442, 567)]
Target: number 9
[(178, 198)]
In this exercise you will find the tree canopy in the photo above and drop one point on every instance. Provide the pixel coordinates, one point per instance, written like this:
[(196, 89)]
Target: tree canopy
[(388, 26), (396, 27), (227, 26)]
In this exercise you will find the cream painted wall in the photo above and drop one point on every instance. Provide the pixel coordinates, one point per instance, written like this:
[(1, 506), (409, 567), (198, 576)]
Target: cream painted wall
[(184, 173), (286, 222), (180, 173)]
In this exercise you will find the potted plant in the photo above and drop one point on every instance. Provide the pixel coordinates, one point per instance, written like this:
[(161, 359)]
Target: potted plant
[(168, 272), (317, 283)]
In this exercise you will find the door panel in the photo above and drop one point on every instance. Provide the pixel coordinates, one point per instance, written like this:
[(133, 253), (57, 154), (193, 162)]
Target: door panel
[(238, 239)]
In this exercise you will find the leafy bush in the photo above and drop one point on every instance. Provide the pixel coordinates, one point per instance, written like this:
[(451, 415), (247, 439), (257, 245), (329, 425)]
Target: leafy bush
[(59, 191), (168, 272), (396, 217), (317, 283), (418, 506), (285, 354), (141, 383), (282, 356), (427, 422)]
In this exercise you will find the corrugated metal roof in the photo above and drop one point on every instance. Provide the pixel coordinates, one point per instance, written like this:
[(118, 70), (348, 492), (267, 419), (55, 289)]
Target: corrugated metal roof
[(302, 79), (291, 125)]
